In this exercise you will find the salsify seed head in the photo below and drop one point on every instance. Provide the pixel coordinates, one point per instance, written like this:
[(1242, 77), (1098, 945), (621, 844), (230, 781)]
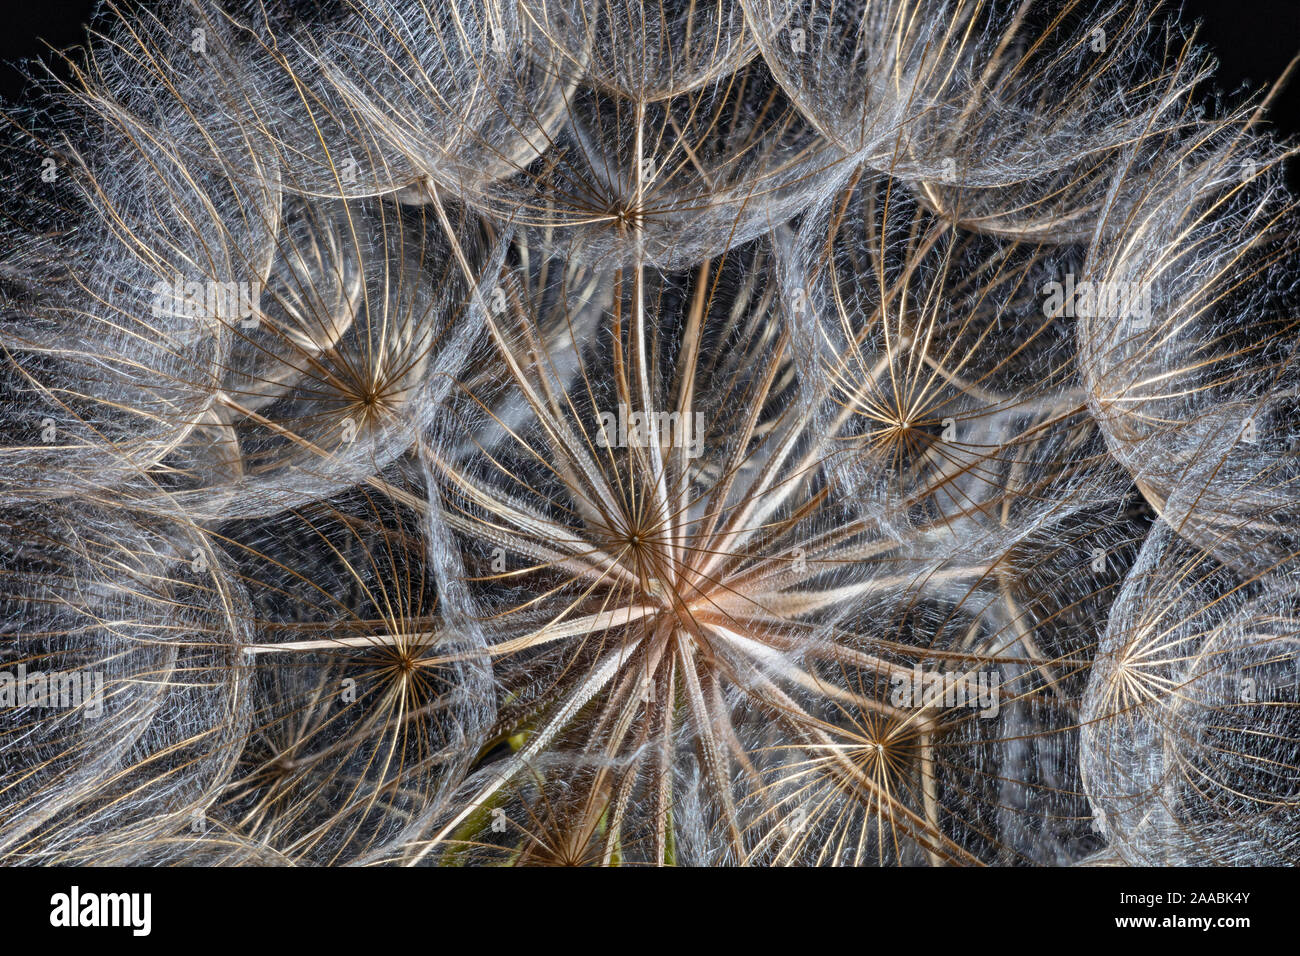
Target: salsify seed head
[(646, 432)]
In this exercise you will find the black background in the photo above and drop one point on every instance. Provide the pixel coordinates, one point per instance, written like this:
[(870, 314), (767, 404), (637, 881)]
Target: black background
[(360, 911)]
